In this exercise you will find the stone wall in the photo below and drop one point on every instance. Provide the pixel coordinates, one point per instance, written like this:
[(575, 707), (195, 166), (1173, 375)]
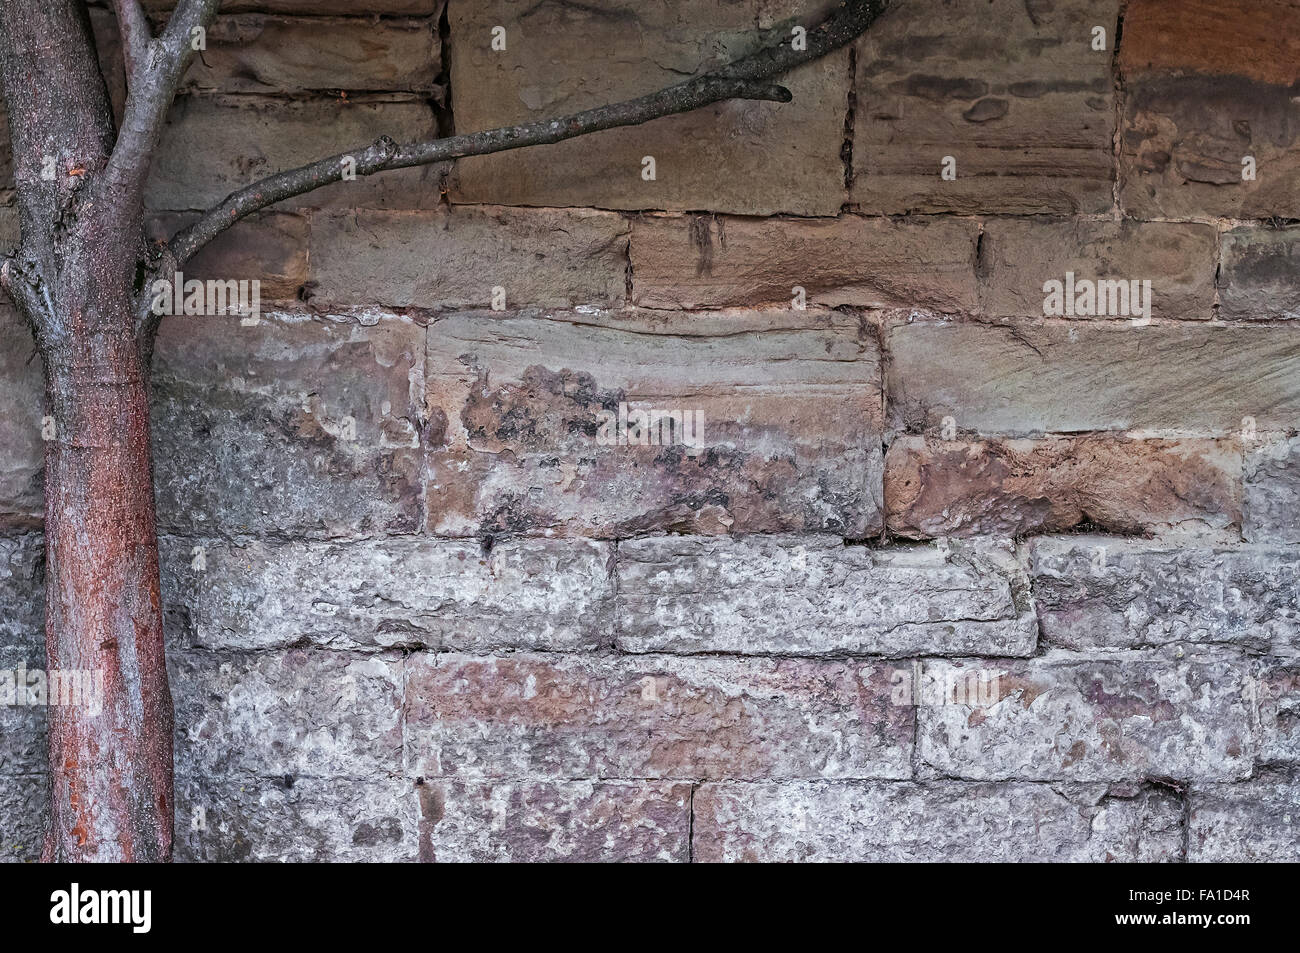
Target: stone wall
[(420, 609)]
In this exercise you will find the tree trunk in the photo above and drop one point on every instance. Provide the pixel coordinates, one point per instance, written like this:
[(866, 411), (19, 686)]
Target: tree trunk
[(112, 772)]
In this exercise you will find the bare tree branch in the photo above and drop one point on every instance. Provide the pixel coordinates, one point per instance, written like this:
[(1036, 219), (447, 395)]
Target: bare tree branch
[(151, 95), (136, 37), (746, 78)]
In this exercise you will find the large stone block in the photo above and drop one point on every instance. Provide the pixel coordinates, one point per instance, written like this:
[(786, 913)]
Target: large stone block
[(293, 426), (307, 713), (1255, 821), (22, 407), (525, 429), (1018, 487), (560, 58), (1013, 91), (278, 55), (704, 261), (937, 821), (1063, 376), (1105, 718), (295, 820), (811, 595), (551, 595), (270, 248), (1259, 277), (1101, 592), (564, 821), (1209, 83), (574, 717), (454, 257), (1020, 255), (214, 145)]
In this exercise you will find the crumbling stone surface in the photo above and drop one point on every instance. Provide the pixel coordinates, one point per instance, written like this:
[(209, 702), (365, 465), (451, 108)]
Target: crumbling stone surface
[(1253, 821)]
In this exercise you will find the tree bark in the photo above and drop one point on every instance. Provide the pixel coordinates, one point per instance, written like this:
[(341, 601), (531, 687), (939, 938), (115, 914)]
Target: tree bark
[(112, 771)]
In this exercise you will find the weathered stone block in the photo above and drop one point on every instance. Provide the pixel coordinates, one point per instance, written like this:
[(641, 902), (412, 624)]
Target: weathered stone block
[(573, 716), (812, 595), (1020, 255), (1257, 820), (1012, 91), (552, 595), (23, 809), (703, 261), (1271, 504), (22, 407), (214, 145), (294, 426), (780, 414), (271, 248), (1111, 718), (1279, 713), (565, 821), (1018, 487), (261, 54), (319, 7), (1066, 376), (1259, 278), (303, 712), (1207, 84), (294, 820), (938, 821), (454, 258), (745, 157), (23, 748), (1103, 592)]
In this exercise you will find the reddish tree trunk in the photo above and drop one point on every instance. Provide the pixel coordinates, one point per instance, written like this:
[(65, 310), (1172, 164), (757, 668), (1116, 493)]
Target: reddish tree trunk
[(112, 772)]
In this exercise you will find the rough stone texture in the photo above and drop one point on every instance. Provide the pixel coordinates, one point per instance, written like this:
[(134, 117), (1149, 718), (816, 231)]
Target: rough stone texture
[(936, 822), (810, 595), (23, 749), (295, 820), (260, 54), (1259, 279), (454, 257), (190, 171), (737, 156), (1279, 713), (1016, 487), (791, 416), (22, 406), (566, 821), (1105, 718), (271, 248), (297, 713), (1271, 504), (1012, 90), (1255, 821), (1019, 255), (440, 594), (1062, 376), (294, 426), (704, 261), (1208, 83), (565, 717), (23, 808), (1102, 592), (318, 7)]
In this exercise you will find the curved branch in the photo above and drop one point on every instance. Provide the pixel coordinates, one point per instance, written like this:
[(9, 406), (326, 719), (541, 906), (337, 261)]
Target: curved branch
[(745, 78)]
